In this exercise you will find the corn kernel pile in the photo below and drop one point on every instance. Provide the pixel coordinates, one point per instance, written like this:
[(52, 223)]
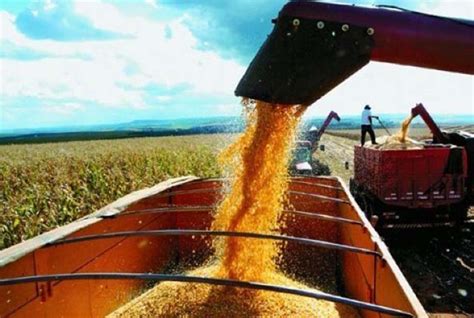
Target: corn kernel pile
[(258, 161), (170, 299), (399, 140)]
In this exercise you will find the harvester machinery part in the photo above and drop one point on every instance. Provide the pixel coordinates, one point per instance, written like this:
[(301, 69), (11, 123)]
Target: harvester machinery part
[(332, 115), (212, 281), (298, 64), (294, 61), (420, 110)]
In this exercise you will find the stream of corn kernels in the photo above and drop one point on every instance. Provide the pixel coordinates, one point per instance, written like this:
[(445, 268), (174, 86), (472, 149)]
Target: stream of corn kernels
[(259, 162)]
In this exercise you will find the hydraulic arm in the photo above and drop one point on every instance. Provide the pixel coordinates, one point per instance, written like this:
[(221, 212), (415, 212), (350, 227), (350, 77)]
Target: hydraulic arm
[(332, 115), (420, 110)]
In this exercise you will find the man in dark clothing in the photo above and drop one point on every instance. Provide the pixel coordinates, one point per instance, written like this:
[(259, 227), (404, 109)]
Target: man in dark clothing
[(366, 125)]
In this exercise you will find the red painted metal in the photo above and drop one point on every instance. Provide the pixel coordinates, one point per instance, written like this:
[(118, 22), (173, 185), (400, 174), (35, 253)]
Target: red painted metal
[(420, 110), (402, 37), (363, 277), (332, 115), (413, 178)]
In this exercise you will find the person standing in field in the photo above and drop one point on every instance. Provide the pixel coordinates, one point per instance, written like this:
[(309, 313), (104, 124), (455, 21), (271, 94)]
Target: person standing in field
[(366, 125)]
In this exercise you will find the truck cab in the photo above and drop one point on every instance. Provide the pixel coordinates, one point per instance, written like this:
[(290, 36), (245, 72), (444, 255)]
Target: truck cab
[(302, 159)]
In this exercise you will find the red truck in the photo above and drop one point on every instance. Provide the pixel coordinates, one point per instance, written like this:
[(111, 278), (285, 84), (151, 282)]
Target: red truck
[(424, 187), (412, 187)]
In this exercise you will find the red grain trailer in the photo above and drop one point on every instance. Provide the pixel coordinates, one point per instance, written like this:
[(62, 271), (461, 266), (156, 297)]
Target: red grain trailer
[(94, 265), (411, 187)]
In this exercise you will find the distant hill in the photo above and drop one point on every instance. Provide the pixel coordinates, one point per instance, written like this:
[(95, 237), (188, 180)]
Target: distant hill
[(137, 128), (180, 123), (192, 126)]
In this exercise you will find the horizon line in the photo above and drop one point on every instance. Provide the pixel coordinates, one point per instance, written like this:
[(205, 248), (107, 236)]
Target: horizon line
[(3, 130)]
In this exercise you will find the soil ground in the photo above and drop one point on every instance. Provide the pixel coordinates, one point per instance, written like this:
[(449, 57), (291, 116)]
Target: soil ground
[(438, 263)]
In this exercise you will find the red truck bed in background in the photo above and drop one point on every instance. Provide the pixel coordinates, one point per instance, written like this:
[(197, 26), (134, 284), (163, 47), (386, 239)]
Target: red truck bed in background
[(412, 178)]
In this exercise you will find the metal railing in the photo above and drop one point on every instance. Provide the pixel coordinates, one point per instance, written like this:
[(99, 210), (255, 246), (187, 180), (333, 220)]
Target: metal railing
[(212, 281)]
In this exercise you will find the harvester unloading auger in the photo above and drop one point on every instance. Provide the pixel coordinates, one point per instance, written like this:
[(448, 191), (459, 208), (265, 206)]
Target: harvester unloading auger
[(315, 136), (315, 46)]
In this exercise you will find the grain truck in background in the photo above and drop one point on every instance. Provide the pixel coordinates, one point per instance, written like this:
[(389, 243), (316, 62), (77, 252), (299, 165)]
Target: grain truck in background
[(455, 136), (425, 186)]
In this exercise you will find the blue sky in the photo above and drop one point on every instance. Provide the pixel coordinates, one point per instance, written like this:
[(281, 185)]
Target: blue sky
[(84, 62)]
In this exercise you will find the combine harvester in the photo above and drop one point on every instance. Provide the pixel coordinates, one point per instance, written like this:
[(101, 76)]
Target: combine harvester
[(314, 135), (428, 186), (92, 266), (302, 162)]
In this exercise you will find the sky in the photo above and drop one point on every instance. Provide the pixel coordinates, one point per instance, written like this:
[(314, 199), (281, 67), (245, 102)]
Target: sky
[(66, 63)]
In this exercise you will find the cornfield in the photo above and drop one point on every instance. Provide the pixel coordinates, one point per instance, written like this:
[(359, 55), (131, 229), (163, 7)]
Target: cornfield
[(43, 186)]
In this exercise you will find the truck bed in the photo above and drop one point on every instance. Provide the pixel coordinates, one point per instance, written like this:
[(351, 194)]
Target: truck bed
[(412, 178)]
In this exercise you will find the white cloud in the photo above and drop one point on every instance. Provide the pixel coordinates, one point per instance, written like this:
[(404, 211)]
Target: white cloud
[(229, 109), (49, 5), (106, 16), (393, 88), (162, 60), (159, 59), (63, 109), (165, 54), (163, 98), (151, 3), (60, 79), (454, 8)]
